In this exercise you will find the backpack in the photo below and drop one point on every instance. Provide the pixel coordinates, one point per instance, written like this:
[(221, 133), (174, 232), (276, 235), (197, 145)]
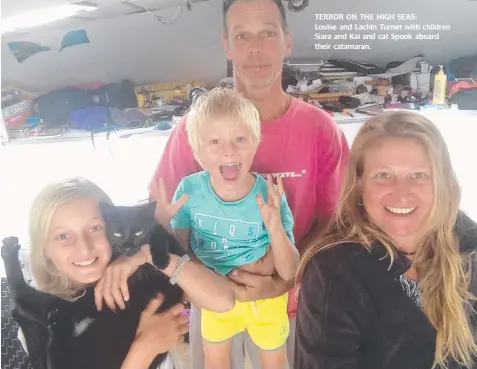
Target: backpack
[(55, 107)]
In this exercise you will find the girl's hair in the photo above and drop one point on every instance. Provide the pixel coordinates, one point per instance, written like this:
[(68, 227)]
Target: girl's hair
[(46, 203), (222, 103), (444, 273)]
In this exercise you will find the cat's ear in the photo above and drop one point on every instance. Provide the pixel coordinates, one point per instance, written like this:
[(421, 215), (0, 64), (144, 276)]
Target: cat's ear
[(107, 210)]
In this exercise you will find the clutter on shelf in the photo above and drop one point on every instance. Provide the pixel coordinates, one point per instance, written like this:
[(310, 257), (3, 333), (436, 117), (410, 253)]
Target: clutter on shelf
[(340, 85), (95, 108)]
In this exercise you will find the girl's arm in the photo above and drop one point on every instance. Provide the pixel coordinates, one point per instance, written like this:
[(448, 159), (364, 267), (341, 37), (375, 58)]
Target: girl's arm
[(202, 287), (138, 357), (156, 334)]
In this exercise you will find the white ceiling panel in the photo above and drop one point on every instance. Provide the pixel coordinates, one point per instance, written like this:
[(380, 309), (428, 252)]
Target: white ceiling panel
[(15, 7), (106, 8)]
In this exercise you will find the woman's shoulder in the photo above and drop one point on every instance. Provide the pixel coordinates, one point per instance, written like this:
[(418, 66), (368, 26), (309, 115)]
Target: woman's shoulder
[(335, 275), (346, 256), (466, 231), (343, 252)]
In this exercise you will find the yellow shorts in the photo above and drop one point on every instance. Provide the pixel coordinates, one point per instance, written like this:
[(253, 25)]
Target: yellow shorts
[(265, 320)]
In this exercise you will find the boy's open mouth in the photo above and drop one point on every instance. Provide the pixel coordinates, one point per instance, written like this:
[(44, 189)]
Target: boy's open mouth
[(230, 171)]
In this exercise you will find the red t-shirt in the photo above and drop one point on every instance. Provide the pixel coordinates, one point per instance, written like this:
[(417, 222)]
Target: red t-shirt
[(305, 146)]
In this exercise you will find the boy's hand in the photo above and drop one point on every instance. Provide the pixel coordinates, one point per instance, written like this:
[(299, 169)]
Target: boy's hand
[(165, 211), (270, 210)]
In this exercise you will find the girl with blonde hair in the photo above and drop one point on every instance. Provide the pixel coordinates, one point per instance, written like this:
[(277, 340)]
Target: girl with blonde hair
[(70, 254), (391, 283)]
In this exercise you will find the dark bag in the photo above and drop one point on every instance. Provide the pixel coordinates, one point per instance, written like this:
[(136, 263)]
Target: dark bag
[(115, 95), (465, 98), (55, 107)]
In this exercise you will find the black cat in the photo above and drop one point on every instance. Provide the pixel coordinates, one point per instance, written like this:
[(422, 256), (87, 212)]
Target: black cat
[(63, 334)]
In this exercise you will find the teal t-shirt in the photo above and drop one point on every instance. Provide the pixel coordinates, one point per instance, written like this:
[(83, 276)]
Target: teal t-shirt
[(225, 235)]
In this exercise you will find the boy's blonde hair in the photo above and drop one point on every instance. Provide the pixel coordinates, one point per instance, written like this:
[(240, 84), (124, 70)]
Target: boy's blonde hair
[(222, 103), (47, 202)]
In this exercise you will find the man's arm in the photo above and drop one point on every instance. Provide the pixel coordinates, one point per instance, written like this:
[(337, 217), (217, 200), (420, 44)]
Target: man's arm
[(177, 160), (250, 286)]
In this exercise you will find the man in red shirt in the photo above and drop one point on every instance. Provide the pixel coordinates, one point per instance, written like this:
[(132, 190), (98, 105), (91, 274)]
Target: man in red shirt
[(300, 143)]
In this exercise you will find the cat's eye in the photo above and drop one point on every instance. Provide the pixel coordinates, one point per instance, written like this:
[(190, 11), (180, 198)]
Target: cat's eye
[(138, 233), (117, 235)]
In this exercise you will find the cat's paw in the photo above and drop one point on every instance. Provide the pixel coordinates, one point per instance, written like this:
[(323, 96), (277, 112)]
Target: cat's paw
[(10, 247), (160, 257), (160, 247)]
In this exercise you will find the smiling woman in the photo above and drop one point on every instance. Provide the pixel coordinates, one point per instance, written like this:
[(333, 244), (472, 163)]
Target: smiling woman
[(398, 188), (391, 283)]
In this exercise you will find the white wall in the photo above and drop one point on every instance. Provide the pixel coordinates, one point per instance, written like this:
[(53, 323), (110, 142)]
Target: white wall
[(142, 49), (124, 167)]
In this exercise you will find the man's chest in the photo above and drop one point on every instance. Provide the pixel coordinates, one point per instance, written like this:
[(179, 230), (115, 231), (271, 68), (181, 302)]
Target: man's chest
[(286, 164), (293, 158)]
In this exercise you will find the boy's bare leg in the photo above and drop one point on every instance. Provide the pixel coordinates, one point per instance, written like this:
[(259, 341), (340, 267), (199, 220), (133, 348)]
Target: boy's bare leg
[(217, 355), (274, 359), (197, 352), (291, 343)]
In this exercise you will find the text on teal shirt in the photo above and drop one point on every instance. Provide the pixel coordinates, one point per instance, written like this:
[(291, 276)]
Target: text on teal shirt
[(225, 235)]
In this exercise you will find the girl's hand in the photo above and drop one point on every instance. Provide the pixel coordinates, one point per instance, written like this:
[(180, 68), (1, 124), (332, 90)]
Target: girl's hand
[(164, 330), (156, 333), (113, 286)]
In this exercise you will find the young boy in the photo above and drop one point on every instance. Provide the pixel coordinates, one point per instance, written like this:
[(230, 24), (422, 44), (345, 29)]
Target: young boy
[(231, 219)]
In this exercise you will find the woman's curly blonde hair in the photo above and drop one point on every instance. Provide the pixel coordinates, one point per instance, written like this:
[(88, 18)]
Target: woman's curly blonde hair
[(444, 273)]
